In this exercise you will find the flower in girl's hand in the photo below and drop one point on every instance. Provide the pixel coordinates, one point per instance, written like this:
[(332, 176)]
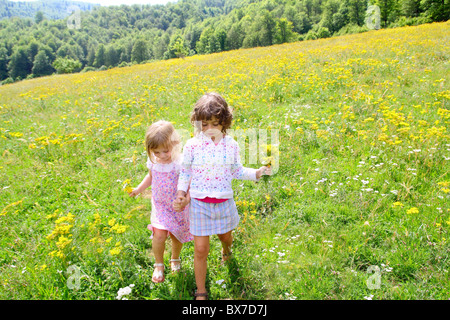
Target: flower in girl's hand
[(127, 187), (267, 161), (267, 152)]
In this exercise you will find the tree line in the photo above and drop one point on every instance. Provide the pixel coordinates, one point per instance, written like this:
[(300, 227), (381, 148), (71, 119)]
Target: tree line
[(118, 36), (52, 9)]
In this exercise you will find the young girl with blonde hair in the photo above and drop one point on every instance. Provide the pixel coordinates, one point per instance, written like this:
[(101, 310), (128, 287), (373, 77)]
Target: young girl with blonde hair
[(164, 164), (210, 161)]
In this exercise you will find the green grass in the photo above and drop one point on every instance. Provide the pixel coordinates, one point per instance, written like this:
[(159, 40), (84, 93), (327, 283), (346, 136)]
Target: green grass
[(363, 177)]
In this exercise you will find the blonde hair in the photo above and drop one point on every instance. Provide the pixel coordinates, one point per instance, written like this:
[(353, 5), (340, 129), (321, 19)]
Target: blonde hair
[(162, 134)]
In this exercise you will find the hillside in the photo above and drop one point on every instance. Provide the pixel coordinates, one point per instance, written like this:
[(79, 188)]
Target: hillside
[(358, 208), (106, 37), (51, 9)]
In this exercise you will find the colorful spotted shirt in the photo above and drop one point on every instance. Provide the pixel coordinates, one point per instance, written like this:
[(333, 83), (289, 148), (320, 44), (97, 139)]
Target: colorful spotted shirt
[(212, 167)]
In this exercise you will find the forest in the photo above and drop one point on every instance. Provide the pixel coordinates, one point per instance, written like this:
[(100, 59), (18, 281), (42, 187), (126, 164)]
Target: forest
[(51, 9), (117, 36)]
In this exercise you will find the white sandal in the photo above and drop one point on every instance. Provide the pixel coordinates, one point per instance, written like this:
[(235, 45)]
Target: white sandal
[(175, 267), (158, 275)]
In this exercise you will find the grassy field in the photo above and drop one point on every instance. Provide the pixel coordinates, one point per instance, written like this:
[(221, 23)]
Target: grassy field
[(359, 207)]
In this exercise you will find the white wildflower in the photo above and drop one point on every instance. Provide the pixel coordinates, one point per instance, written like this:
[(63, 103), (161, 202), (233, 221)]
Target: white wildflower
[(123, 292)]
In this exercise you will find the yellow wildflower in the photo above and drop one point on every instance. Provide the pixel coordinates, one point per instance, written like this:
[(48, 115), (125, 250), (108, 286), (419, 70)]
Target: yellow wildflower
[(63, 242), (444, 183), (126, 186), (114, 251), (412, 210), (53, 215), (119, 228), (112, 221)]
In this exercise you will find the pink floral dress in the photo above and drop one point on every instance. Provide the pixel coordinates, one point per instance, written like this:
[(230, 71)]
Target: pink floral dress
[(164, 188)]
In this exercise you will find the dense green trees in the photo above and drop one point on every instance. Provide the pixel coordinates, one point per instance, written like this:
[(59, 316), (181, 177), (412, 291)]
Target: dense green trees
[(20, 65), (42, 65), (140, 51), (66, 65), (52, 9), (437, 10), (121, 35)]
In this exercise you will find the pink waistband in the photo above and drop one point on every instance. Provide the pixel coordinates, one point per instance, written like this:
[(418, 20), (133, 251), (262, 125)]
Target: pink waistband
[(211, 200)]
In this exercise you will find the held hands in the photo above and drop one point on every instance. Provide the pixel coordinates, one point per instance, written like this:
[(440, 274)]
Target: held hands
[(181, 201)]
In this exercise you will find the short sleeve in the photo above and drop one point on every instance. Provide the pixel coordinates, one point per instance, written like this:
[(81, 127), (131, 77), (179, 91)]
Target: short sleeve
[(186, 170), (149, 164), (177, 163)]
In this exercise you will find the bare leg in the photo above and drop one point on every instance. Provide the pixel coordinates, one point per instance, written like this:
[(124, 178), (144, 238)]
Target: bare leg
[(158, 246), (201, 251), (227, 241), (176, 250)]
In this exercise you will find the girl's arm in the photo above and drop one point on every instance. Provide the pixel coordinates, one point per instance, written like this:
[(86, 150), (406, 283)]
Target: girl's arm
[(186, 171), (146, 182), (186, 200), (238, 171), (242, 173), (182, 199)]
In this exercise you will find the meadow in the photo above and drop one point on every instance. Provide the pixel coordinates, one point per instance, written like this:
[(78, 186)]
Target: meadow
[(358, 208)]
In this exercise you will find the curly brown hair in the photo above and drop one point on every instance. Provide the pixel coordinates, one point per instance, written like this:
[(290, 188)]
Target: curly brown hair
[(212, 105)]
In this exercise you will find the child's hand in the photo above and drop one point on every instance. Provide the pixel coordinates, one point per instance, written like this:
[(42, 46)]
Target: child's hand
[(183, 203), (263, 171), (182, 200), (134, 192), (178, 203)]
